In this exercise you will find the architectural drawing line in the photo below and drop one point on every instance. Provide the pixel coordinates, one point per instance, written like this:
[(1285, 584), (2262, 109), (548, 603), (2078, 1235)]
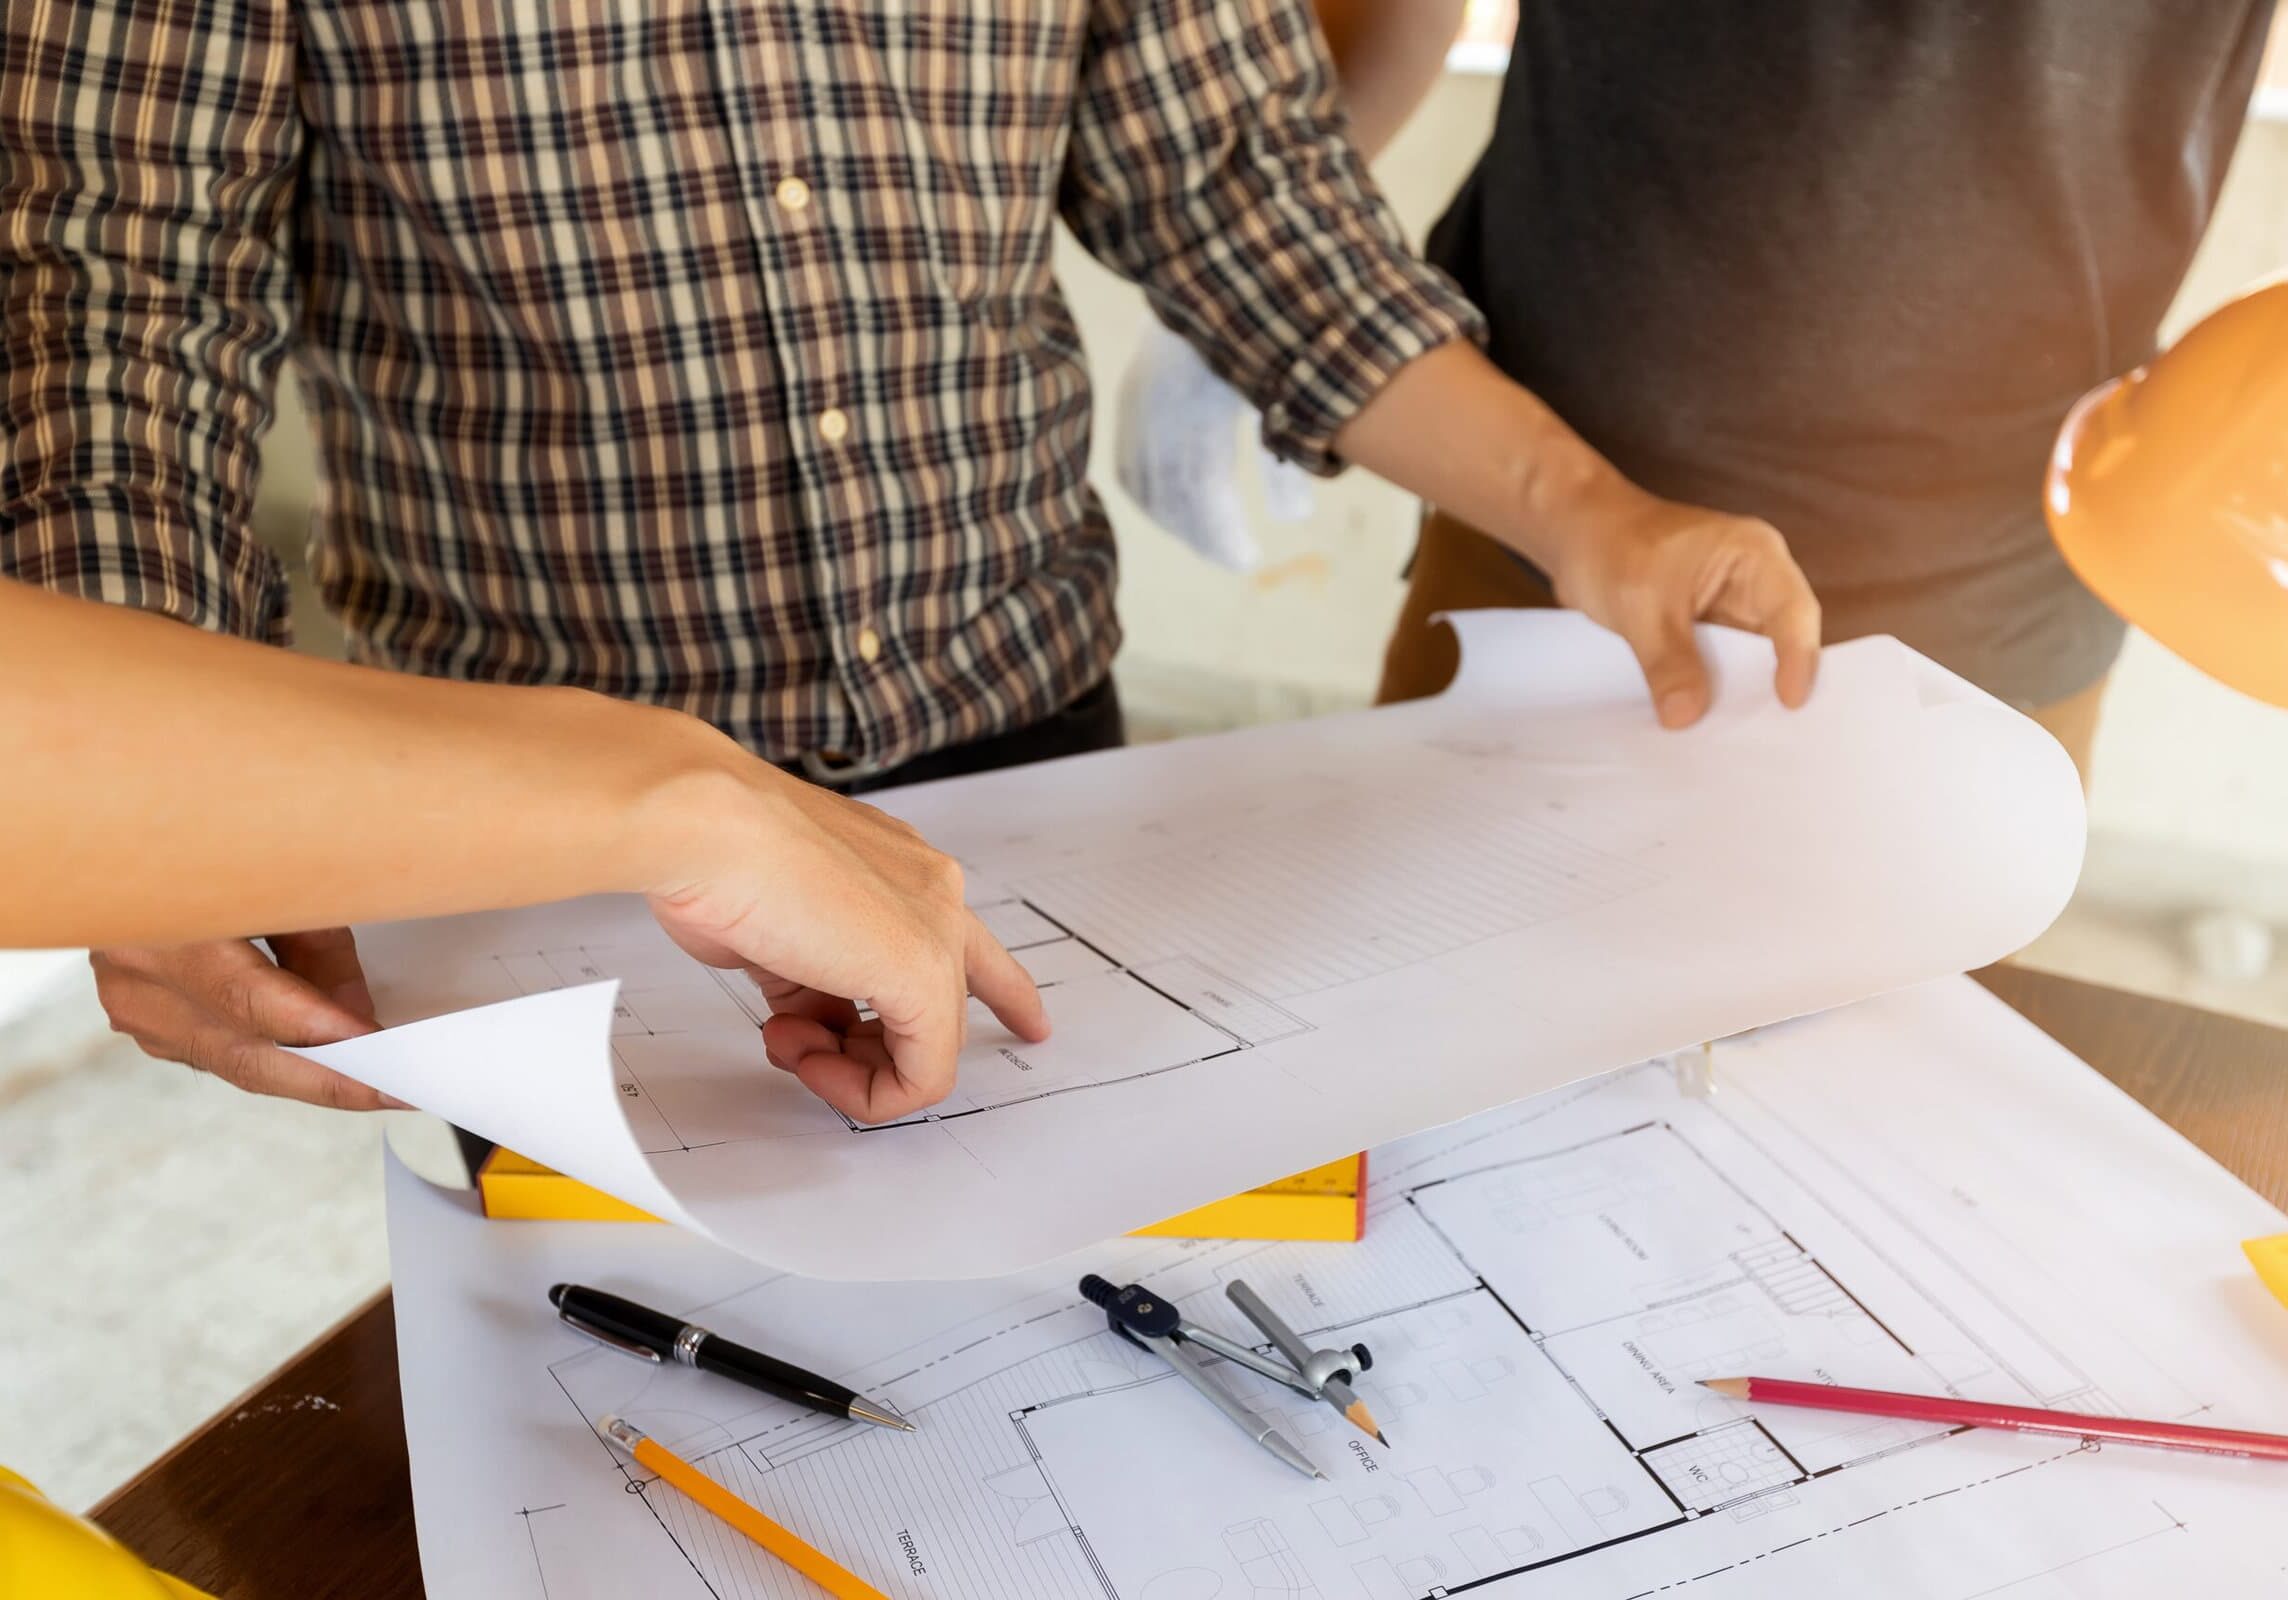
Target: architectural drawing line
[(929, 1118), (1539, 1109), (2047, 1572), (1904, 1505), (1477, 1266), (1130, 971), (1858, 1185), (539, 1566)]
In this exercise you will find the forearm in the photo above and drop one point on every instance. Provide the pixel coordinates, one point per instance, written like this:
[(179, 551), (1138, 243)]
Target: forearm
[(165, 784), (1456, 431), (1450, 427), (1387, 55)]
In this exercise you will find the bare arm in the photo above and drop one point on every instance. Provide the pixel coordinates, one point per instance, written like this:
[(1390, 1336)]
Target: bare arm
[(1453, 429), (167, 785), (188, 786), (181, 788), (1208, 162), (1387, 55)]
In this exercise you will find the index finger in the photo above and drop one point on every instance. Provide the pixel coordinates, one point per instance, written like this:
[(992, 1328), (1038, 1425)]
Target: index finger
[(1668, 654), (1795, 638), (328, 960), (1001, 981), (1790, 619), (1776, 601)]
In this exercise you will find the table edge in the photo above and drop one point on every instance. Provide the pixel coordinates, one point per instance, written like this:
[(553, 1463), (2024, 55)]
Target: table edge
[(230, 1409)]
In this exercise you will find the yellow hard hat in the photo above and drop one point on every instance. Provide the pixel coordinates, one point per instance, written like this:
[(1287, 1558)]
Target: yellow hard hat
[(2168, 494), (45, 1550)]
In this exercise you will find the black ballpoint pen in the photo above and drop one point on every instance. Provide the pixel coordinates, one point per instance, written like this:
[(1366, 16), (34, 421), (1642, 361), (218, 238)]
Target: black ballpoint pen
[(657, 1336)]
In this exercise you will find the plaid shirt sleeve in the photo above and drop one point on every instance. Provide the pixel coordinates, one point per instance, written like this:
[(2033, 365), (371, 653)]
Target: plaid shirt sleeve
[(149, 152), (1211, 163)]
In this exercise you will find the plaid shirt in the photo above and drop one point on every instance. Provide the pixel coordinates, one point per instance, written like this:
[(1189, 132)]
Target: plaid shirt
[(698, 351)]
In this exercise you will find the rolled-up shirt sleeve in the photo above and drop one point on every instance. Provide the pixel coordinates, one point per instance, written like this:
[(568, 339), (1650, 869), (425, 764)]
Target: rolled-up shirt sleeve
[(147, 156), (1209, 162)]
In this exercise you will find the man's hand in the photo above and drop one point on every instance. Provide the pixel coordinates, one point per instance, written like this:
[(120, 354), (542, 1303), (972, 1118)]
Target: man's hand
[(226, 1008), (422, 798), (830, 905), (1649, 569), (1453, 429), (827, 902)]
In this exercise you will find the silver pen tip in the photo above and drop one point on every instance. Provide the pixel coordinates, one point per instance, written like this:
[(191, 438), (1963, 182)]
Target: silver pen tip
[(863, 1412)]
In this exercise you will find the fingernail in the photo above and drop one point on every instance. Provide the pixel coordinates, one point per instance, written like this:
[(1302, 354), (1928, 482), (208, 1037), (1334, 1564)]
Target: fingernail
[(390, 1102), (355, 996), (1675, 708)]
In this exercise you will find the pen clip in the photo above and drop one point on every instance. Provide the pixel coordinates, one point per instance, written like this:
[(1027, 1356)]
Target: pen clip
[(613, 1341)]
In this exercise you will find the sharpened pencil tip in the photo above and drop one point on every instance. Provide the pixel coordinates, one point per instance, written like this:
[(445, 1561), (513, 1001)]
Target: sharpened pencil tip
[(1730, 1388), (1316, 1473), (1363, 1419), (1379, 1439)]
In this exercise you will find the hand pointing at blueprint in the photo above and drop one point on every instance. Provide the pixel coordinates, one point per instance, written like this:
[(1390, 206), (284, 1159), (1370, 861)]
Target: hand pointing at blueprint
[(1264, 950), (843, 902)]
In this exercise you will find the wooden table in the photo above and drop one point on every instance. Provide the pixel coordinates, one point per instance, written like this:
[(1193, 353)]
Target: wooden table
[(299, 1491)]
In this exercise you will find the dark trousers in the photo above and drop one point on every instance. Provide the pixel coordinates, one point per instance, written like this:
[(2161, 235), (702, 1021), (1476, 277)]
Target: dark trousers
[(1093, 722)]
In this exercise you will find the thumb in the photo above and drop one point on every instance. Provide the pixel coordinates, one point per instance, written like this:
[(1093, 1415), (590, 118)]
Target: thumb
[(327, 960), (1669, 656), (923, 1027)]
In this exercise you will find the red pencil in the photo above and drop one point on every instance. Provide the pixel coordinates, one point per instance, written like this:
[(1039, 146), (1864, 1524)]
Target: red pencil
[(2018, 1419)]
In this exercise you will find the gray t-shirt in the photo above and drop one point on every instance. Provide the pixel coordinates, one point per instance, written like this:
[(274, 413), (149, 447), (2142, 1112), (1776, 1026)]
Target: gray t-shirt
[(1845, 264)]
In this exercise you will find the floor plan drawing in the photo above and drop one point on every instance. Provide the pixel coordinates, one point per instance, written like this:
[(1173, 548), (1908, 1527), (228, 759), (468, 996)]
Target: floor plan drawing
[(1541, 1306), (1541, 1288), (668, 1006), (1242, 938), (1139, 981), (1289, 900), (685, 1039)]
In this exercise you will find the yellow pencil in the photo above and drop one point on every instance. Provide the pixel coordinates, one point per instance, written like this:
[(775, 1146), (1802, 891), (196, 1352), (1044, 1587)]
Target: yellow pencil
[(829, 1574)]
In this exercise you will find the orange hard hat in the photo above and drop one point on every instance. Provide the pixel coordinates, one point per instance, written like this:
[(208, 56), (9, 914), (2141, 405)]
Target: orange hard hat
[(2168, 494)]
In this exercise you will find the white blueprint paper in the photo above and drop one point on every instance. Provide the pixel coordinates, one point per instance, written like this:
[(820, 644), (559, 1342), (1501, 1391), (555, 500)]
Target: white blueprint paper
[(1920, 1192), (1270, 948)]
